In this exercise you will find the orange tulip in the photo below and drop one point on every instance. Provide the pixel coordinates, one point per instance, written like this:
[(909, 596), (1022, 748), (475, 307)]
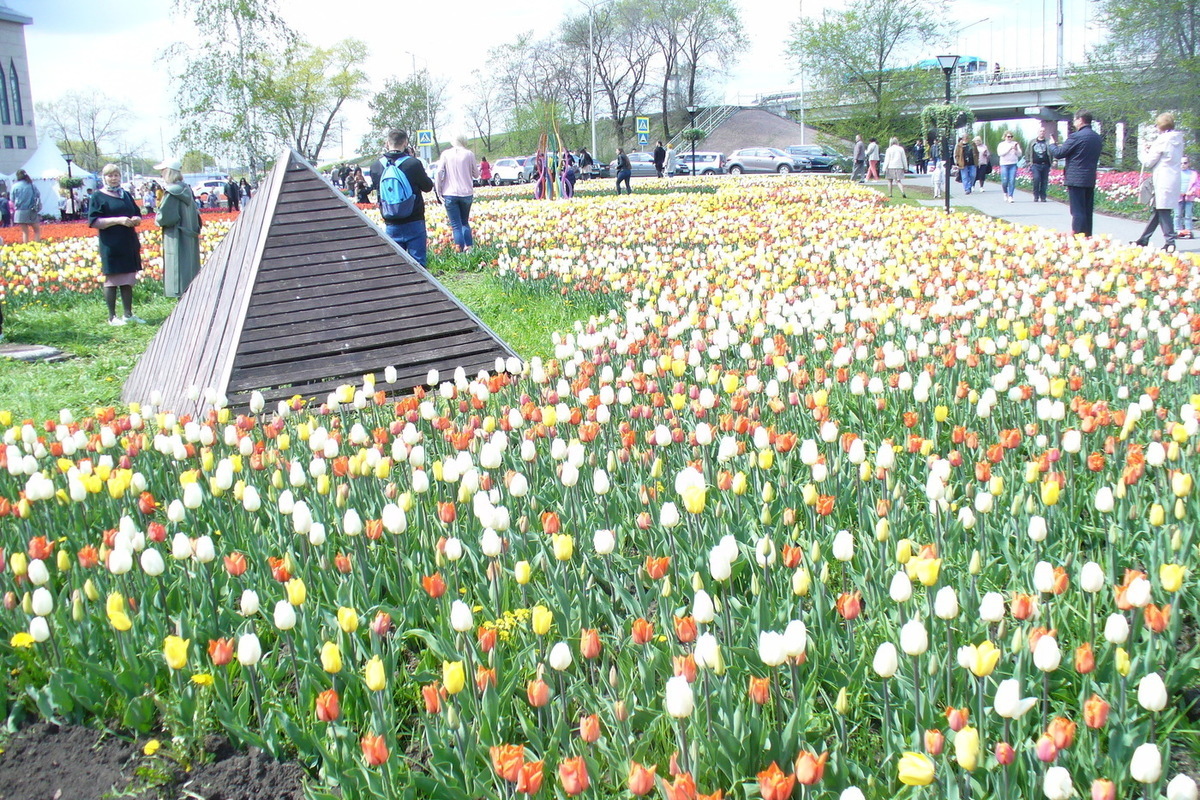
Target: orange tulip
[(957, 718), (682, 788), (1157, 617), (484, 677), (1061, 581), (447, 512), (791, 556), (643, 631), (589, 728), (529, 782), (849, 604), (760, 690), (685, 665), (810, 767), (432, 694), (40, 548), (434, 585), (328, 707), (825, 504), (774, 785), (507, 760), (343, 564), (220, 651), (487, 638), (1095, 712), (538, 693), (1085, 659), (374, 749), (657, 567), (235, 564), (641, 779), (550, 523), (685, 629), (88, 557), (1022, 606), (589, 643), (1062, 731), (935, 742), (573, 775)]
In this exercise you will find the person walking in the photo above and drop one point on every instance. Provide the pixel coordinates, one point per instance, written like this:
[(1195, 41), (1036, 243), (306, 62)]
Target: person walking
[(456, 174), (1039, 166), (1009, 152), (660, 158), (585, 163), (860, 159), (1164, 160), (918, 152), (895, 165), (873, 160), (983, 164), (27, 207), (672, 161), (570, 172), (1189, 191), (624, 171), (966, 158), (180, 222), (114, 213), (244, 186), (408, 231), (485, 172), (1082, 153), (233, 195)]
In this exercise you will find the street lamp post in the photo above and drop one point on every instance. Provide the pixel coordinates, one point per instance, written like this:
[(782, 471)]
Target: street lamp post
[(68, 157), (947, 63), (692, 135)]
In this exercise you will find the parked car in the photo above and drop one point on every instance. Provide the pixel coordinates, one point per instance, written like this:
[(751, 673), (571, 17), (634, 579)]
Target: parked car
[(203, 189), (764, 159), (507, 171), (821, 158), (706, 163), (642, 164)]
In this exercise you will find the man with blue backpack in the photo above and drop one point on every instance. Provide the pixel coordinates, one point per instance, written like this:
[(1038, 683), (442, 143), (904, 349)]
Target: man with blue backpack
[(399, 180)]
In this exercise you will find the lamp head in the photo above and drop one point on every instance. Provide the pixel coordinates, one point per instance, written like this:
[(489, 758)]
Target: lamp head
[(947, 63)]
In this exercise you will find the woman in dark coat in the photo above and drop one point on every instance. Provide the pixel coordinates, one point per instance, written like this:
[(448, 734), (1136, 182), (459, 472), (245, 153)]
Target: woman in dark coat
[(114, 213)]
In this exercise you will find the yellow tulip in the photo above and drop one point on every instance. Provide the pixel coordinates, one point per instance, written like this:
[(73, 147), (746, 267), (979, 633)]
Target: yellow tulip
[(375, 675), (564, 546), (916, 769), (331, 658), (1171, 576), (925, 570), (809, 494), (523, 572), (740, 484), (20, 564), (941, 414), (766, 458), (904, 551), (966, 748), (175, 651), (1050, 493), (63, 561), (541, 619), (90, 591), (987, 656), (883, 529), (842, 704), (454, 677), (694, 499), (1122, 660), (1158, 515), (1181, 484), (768, 492), (347, 619), (296, 591)]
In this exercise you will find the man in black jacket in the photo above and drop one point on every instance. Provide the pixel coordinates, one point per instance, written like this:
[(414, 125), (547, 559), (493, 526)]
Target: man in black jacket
[(1082, 152), (1039, 166), (408, 232), (660, 158)]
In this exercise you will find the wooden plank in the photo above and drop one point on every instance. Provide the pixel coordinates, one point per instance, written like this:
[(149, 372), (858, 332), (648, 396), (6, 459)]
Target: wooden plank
[(282, 271), (302, 320), (302, 223), (435, 311), (322, 344), (369, 296), (335, 280), (331, 248)]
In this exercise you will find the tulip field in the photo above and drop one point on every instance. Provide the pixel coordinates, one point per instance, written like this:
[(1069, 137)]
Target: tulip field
[(839, 500)]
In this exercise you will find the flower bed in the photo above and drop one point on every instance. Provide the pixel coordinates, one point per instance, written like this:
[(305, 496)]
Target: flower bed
[(839, 494), (1116, 192)]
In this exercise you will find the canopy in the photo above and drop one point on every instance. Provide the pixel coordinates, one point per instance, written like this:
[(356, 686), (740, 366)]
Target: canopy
[(45, 167)]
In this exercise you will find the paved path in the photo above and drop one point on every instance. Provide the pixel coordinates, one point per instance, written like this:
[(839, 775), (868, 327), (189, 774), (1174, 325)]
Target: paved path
[(1054, 214)]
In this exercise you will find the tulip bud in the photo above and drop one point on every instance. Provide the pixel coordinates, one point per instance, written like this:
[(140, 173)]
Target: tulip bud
[(1056, 785), (560, 657), (1181, 787), (886, 660), (914, 639), (680, 701)]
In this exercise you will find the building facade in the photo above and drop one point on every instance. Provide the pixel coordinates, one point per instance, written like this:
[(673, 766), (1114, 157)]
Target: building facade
[(18, 136)]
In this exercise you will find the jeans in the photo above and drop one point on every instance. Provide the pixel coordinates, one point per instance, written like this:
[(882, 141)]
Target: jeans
[(623, 177), (411, 236), (1041, 180), (1161, 216), (1008, 178), (967, 174), (1083, 200), (458, 209), (1183, 217)]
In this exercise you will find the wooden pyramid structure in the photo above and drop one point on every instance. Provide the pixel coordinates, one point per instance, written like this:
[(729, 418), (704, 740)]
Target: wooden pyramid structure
[(302, 295)]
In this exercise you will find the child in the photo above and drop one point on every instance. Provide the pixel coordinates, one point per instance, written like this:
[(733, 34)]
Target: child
[(937, 178)]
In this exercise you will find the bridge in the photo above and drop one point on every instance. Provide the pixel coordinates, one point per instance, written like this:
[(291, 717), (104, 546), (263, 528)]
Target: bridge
[(1011, 94)]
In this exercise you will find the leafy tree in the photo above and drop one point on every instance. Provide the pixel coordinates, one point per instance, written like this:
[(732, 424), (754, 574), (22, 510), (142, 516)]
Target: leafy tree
[(197, 161), (84, 123), (305, 90), (1149, 62), (859, 55), (412, 104), (215, 83)]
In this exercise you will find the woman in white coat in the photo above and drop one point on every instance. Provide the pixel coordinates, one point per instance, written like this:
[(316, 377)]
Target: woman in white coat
[(895, 165), (1164, 158)]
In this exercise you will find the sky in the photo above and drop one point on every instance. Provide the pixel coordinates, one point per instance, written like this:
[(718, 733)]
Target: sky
[(111, 48)]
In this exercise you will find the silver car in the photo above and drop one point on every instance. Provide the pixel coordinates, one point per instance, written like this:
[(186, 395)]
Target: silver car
[(763, 159)]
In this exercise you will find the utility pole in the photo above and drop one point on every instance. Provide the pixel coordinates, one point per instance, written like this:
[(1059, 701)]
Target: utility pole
[(1059, 63)]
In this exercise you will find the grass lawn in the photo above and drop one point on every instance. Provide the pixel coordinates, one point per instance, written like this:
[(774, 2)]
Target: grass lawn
[(105, 355)]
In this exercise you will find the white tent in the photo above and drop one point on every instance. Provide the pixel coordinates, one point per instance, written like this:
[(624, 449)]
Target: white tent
[(45, 167)]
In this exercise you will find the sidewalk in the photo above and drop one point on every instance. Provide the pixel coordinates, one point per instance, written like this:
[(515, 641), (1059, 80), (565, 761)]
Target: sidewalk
[(1053, 214)]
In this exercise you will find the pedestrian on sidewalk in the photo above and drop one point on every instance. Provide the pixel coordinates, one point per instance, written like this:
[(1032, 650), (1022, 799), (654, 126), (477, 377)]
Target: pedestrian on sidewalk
[(1163, 158), (966, 157), (937, 176), (1009, 152), (918, 152), (895, 165), (624, 170), (860, 159), (1082, 153), (1039, 166), (983, 165), (1189, 192), (873, 160)]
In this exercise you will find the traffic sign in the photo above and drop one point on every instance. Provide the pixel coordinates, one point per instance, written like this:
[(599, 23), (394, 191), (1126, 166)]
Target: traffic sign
[(643, 126), (643, 139), (424, 138)]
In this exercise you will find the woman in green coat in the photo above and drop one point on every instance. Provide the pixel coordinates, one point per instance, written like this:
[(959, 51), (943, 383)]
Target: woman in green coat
[(180, 222)]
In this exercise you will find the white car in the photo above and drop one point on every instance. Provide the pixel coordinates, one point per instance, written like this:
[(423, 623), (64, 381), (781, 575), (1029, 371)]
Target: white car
[(203, 189), (507, 170)]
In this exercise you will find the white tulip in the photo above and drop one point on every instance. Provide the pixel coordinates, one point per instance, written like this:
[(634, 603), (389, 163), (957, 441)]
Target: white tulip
[(37, 572), (249, 603), (1146, 764), (1043, 577), (1008, 702), (1057, 784), (680, 701), (204, 549), (708, 652), (453, 549), (42, 601), (853, 793), (249, 650), (719, 565), (991, 607), (604, 541), (1152, 692), (394, 519), (1091, 578), (461, 618), (490, 544), (316, 534), (1138, 593), (795, 638), (1116, 629), (1047, 656), (1181, 787), (703, 609), (1037, 528), (120, 561), (668, 515), (843, 546), (886, 660), (771, 648), (192, 495), (352, 524), (152, 562), (914, 639), (285, 615), (560, 657), (251, 501), (1104, 501), (39, 629), (945, 603), (901, 588), (181, 547)]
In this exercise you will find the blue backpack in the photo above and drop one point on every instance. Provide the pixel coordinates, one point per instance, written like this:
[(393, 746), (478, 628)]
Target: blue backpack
[(396, 197)]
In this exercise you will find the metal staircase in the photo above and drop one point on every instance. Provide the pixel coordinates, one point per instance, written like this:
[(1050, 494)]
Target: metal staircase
[(708, 121)]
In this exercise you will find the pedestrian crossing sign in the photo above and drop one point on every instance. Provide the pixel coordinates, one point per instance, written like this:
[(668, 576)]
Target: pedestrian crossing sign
[(643, 139), (643, 126), (424, 138)]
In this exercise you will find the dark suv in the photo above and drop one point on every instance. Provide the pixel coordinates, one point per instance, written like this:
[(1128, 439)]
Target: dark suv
[(822, 158)]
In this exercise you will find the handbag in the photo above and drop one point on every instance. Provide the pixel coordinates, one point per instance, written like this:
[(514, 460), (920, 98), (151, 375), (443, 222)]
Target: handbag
[(1146, 190)]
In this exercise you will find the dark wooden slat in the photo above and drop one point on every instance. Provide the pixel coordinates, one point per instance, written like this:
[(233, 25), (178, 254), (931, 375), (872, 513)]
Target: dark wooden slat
[(435, 312), (369, 296), (301, 224), (315, 346), (329, 317), (319, 288), (329, 248), (296, 270)]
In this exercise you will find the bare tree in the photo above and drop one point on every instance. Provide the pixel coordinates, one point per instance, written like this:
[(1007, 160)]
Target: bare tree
[(482, 106), (87, 121), (711, 34)]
